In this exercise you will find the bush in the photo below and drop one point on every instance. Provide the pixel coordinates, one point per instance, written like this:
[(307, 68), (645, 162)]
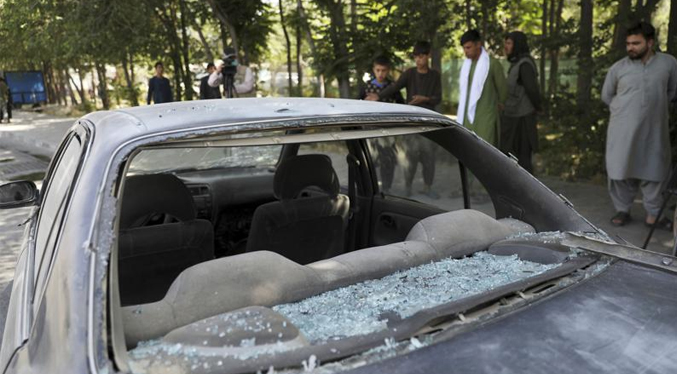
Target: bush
[(573, 147)]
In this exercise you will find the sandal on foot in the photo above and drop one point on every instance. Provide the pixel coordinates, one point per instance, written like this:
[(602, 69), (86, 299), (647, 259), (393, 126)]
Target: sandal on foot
[(663, 224), (621, 219)]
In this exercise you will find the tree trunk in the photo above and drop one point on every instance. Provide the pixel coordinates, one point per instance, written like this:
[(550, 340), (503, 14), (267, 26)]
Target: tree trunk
[(303, 20), (623, 15), (92, 95), (672, 30), (485, 20), (68, 79), (103, 85), (286, 38), (168, 21), (645, 9), (225, 21), (176, 63), (338, 39), (468, 14), (544, 41), (187, 81), (50, 84), (131, 92), (585, 63), (203, 41), (131, 66), (74, 84), (224, 38), (81, 88), (59, 86), (299, 68), (554, 50)]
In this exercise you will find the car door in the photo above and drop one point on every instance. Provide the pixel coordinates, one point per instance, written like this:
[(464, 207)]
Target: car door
[(34, 263)]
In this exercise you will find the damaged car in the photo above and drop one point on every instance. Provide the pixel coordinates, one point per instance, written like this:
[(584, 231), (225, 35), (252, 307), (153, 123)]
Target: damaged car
[(317, 235)]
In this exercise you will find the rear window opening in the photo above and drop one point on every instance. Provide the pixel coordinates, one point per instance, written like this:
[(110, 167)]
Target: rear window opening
[(235, 258)]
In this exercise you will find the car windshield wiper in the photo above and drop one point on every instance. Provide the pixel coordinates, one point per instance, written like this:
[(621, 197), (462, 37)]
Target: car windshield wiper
[(620, 251)]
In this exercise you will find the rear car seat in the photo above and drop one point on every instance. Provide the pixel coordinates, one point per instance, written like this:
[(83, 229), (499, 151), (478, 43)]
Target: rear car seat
[(266, 279)]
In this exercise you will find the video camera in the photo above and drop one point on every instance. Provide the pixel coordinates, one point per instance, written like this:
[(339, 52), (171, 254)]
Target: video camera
[(229, 60)]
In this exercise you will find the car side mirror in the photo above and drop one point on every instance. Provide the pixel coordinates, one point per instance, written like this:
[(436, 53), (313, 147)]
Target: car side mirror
[(18, 194)]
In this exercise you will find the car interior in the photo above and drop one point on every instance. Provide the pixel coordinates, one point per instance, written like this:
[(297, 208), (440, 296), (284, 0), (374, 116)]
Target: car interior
[(208, 232)]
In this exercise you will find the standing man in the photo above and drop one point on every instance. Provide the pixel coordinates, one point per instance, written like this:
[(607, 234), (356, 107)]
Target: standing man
[(424, 89), (638, 90), (483, 90), (518, 123), (207, 91), (159, 88), (240, 77)]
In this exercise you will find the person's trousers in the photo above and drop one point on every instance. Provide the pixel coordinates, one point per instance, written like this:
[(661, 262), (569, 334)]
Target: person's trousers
[(623, 194), (427, 159)]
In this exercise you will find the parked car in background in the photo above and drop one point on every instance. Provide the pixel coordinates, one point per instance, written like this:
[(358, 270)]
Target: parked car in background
[(295, 235)]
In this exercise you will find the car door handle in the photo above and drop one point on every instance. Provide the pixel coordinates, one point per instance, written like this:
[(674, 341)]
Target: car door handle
[(387, 220)]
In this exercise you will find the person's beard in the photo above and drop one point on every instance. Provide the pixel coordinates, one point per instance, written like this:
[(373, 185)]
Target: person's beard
[(638, 55)]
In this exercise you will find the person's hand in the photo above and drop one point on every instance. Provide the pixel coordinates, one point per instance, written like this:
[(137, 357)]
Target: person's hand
[(501, 107), (418, 99), (372, 96)]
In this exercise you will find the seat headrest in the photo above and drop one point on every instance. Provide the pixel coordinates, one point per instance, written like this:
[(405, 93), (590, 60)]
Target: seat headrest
[(299, 172), (155, 194)]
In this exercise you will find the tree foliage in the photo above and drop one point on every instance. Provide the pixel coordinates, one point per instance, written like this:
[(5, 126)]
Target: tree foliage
[(334, 41)]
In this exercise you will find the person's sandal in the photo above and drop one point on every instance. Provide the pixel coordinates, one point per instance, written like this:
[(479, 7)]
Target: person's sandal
[(663, 224), (621, 219)]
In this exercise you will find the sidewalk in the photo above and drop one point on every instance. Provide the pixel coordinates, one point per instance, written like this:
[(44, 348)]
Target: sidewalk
[(34, 133), (37, 136)]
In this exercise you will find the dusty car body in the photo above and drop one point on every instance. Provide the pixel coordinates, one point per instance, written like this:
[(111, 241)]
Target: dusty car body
[(78, 305)]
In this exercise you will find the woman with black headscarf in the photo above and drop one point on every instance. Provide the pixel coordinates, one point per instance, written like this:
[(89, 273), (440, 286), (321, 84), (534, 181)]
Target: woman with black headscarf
[(518, 122)]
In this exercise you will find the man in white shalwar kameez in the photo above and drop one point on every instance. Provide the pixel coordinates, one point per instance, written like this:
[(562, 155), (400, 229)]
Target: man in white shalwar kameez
[(638, 90)]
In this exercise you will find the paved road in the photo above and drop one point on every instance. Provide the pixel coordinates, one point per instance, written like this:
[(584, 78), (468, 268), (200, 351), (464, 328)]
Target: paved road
[(32, 138)]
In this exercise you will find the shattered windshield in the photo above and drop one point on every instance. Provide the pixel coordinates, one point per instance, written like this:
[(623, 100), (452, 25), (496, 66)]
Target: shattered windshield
[(367, 307)]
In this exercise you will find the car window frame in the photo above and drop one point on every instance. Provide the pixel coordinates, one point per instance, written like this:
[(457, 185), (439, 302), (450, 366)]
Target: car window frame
[(42, 265)]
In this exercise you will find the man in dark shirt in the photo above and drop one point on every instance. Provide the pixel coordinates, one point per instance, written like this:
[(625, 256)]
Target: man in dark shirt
[(423, 84), (424, 89), (159, 88), (207, 91)]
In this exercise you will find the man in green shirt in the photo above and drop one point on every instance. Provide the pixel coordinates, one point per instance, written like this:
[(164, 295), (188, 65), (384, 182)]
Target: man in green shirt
[(483, 89)]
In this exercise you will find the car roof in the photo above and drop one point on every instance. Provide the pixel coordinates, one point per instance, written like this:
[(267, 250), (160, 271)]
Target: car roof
[(198, 113)]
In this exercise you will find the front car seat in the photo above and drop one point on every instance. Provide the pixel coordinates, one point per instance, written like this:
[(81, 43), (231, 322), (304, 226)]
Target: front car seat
[(159, 237), (302, 228)]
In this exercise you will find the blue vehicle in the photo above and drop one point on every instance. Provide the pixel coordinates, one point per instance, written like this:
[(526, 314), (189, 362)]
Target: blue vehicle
[(28, 87)]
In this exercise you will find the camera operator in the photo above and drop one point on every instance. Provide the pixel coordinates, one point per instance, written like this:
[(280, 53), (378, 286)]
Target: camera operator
[(238, 80)]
